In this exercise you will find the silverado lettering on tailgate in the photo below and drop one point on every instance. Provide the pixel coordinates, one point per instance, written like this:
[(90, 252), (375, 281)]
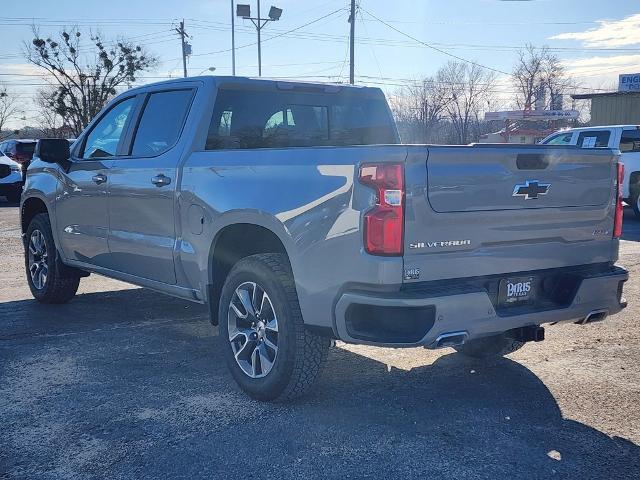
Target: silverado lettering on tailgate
[(440, 244)]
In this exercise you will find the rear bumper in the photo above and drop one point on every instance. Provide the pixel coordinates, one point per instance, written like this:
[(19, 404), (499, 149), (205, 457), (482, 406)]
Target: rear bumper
[(414, 318)]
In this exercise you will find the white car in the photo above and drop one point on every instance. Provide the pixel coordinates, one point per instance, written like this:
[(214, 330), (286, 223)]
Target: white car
[(624, 137), (11, 179)]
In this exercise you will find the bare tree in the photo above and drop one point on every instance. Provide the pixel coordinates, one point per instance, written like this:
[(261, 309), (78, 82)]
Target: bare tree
[(537, 72), (8, 106), (555, 80), (49, 120), (469, 89), (420, 106), (85, 82)]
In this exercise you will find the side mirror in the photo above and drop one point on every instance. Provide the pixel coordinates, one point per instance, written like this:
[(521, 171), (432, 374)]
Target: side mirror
[(52, 150)]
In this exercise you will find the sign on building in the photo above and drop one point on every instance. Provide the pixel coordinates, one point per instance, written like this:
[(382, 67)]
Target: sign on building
[(629, 82), (532, 115)]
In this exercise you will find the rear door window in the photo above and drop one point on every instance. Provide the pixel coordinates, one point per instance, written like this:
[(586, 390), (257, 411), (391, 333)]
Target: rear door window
[(249, 119), (161, 122), (594, 138), (630, 141)]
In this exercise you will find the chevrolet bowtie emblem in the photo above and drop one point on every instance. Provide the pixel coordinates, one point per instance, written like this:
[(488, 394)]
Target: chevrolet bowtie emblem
[(531, 189)]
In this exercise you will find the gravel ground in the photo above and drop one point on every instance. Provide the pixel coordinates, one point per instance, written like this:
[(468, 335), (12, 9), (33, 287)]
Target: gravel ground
[(126, 383)]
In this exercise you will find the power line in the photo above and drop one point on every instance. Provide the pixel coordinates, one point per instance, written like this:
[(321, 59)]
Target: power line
[(272, 37), (435, 48), (427, 22), (373, 52), (391, 42), (223, 27)]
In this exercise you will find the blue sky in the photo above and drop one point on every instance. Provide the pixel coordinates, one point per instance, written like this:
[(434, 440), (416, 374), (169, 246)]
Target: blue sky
[(596, 39)]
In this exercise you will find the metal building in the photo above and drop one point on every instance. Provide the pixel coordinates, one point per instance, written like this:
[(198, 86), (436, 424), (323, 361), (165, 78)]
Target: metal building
[(615, 108)]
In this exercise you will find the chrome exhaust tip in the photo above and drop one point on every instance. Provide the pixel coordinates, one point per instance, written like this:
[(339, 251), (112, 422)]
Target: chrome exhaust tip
[(451, 339), (594, 316)]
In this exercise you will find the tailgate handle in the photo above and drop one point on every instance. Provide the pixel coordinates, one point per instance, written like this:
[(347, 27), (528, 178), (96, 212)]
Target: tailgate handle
[(532, 161)]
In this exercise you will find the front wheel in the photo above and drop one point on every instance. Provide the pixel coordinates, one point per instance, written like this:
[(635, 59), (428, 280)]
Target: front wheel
[(487, 347), (47, 282), (269, 352)]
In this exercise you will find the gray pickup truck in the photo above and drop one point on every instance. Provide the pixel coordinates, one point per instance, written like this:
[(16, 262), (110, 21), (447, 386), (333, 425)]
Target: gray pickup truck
[(293, 212)]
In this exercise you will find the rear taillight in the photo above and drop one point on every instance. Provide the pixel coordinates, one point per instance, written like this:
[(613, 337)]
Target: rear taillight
[(21, 158), (617, 221), (384, 223)]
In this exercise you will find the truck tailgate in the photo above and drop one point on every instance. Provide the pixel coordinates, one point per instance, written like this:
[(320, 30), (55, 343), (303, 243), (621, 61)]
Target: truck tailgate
[(490, 209)]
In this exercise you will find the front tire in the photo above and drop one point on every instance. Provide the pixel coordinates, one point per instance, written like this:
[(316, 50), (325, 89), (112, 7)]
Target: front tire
[(490, 347), (269, 352), (47, 280)]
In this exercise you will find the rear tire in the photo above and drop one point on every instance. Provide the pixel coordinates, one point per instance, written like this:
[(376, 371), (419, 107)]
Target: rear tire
[(288, 358), (488, 347), (635, 203), (48, 280)]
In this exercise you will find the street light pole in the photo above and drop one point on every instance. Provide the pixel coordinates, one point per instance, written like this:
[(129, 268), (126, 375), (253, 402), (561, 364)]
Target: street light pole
[(259, 26), (233, 41), (352, 35), (244, 11)]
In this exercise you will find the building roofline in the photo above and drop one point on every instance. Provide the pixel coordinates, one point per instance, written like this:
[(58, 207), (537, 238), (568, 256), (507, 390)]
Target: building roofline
[(587, 96)]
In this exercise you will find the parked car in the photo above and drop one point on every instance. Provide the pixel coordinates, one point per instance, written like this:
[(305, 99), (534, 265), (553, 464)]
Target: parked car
[(19, 150), (293, 211), (10, 179), (624, 137)]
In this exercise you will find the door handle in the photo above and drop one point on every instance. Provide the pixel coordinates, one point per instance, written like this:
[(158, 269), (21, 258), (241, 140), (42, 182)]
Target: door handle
[(160, 180), (98, 179)]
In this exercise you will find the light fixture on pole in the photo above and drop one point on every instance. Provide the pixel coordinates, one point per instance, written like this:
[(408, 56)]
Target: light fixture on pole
[(210, 69), (244, 11)]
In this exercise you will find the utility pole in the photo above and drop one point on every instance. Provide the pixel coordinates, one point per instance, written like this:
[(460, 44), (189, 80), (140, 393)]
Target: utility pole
[(352, 21), (233, 41), (183, 34)]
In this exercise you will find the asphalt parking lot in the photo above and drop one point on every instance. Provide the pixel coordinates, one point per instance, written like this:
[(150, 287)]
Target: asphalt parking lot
[(126, 383)]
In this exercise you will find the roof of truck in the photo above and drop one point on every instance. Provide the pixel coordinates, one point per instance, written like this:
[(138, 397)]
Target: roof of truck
[(597, 127), (264, 81)]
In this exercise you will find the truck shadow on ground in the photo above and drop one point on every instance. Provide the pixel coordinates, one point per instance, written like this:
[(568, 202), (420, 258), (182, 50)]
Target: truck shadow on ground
[(131, 384)]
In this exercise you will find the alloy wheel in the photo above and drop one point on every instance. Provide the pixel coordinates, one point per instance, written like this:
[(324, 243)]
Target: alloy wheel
[(253, 329), (38, 258)]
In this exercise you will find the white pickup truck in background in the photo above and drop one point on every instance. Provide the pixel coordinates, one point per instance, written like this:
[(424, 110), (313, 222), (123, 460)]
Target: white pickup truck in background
[(624, 137)]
